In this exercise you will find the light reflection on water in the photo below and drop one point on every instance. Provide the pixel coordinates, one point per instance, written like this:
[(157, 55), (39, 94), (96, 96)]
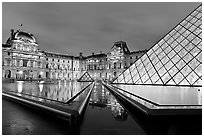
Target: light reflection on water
[(166, 95), (102, 98), (61, 91)]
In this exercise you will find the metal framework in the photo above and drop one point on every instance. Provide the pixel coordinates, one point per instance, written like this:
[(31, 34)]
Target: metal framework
[(85, 78), (176, 59)]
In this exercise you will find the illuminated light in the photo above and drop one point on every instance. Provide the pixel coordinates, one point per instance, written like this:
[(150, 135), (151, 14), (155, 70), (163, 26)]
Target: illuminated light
[(41, 82), (41, 73), (20, 72), (20, 86), (41, 87)]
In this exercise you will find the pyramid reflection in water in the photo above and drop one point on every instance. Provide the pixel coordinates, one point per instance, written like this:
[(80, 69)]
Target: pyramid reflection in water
[(85, 78), (176, 59)]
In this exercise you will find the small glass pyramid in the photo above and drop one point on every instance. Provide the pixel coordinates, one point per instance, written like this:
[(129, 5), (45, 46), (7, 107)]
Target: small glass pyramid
[(176, 59), (85, 78)]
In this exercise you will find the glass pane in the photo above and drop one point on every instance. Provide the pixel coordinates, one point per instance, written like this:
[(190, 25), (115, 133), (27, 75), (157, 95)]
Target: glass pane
[(162, 71), (120, 78), (168, 65), (194, 63), (191, 36), (155, 47), (198, 70), (152, 56), (175, 59), (187, 25), (186, 33), (186, 70), (184, 42), (167, 37), (126, 72), (196, 40), (171, 82), (199, 57), (154, 62), (197, 31), (148, 82), (180, 64), (189, 18), (135, 78), (144, 78), (166, 77), (198, 82), (182, 30), (199, 9), (200, 35), (173, 71), (154, 78), (172, 32), (192, 28), (161, 42), (171, 54), (127, 77), (148, 66), (164, 60), (199, 15), (175, 36), (183, 23), (183, 52), (149, 52), (158, 51), (194, 13), (187, 58), (184, 82), (195, 51), (161, 55), (134, 72), (122, 81), (198, 23), (142, 72), (130, 81), (193, 20), (189, 47), (170, 40), (132, 67), (167, 50), (138, 63), (178, 28), (159, 82), (151, 72), (158, 66), (178, 48), (178, 78), (165, 45), (192, 78), (180, 38), (174, 44)]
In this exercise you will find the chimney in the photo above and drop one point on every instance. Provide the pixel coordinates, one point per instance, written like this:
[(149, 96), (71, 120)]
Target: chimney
[(12, 32), (101, 52), (92, 54), (80, 54)]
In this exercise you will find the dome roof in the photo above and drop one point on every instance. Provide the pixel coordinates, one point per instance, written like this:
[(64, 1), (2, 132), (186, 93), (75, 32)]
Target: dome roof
[(24, 36)]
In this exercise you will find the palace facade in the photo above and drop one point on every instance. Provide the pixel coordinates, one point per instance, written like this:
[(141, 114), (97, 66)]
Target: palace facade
[(22, 59)]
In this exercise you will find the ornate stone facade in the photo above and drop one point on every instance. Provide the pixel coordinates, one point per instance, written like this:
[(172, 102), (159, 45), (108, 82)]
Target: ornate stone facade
[(22, 59)]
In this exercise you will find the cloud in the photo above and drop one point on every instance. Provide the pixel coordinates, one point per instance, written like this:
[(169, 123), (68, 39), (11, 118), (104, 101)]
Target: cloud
[(70, 28)]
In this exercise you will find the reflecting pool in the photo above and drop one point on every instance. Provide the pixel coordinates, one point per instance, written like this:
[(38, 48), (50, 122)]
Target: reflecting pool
[(61, 91)]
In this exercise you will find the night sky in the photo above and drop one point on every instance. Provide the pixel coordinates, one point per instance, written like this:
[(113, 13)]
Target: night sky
[(70, 28)]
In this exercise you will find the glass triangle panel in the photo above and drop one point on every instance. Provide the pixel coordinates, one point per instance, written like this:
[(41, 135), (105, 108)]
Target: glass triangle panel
[(171, 57)]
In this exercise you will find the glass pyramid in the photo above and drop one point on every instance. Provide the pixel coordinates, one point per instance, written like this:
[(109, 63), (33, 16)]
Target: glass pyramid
[(176, 59), (85, 78)]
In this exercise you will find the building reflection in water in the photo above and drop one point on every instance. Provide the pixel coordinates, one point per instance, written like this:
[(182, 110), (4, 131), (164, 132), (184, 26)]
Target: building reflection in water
[(61, 91), (102, 98)]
